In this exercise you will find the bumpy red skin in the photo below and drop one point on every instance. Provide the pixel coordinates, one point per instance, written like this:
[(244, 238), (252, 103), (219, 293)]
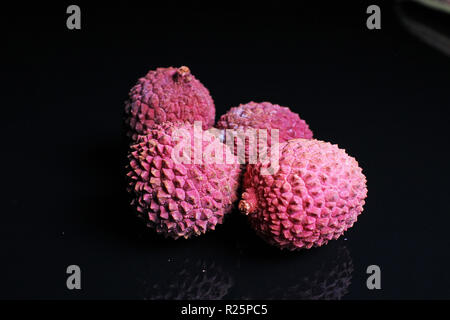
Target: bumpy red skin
[(317, 194), (167, 94), (176, 199), (266, 115)]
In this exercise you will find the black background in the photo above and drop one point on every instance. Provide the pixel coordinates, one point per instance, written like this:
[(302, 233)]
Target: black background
[(380, 94)]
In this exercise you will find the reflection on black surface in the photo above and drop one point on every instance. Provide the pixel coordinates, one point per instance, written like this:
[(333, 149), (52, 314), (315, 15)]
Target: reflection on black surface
[(322, 274), (188, 279), (330, 282), (220, 266)]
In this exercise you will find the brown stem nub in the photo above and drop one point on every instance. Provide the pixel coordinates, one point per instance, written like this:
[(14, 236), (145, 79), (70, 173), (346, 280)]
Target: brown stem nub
[(183, 74), (248, 203), (183, 70)]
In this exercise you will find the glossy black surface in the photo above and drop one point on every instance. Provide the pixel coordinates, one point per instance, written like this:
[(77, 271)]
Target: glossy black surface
[(382, 95)]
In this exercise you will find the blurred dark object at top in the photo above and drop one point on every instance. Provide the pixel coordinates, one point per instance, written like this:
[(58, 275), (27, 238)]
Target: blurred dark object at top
[(441, 5), (430, 26)]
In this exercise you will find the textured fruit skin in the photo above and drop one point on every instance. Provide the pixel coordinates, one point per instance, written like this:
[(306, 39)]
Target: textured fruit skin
[(167, 94), (266, 115), (315, 196), (178, 199)]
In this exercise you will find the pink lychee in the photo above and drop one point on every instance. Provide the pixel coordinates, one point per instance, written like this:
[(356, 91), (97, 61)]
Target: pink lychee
[(181, 196), (167, 95), (316, 194), (266, 115)]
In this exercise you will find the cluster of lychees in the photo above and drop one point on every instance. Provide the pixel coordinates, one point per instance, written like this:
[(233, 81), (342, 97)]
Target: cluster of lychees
[(314, 195)]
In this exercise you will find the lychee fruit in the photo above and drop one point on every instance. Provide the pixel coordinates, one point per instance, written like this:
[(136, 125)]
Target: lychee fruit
[(266, 115), (177, 189), (315, 195), (167, 95)]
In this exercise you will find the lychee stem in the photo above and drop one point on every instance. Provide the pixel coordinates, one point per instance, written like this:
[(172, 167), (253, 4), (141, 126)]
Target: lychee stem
[(182, 74), (183, 70), (248, 203)]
